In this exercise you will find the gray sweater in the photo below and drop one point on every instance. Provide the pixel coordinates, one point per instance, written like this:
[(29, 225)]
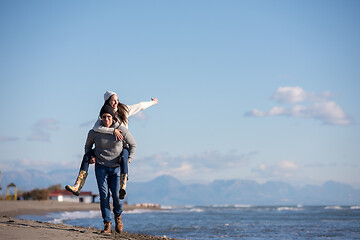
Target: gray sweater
[(107, 148)]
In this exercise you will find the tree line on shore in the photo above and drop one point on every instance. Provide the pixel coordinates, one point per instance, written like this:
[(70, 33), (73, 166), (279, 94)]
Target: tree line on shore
[(39, 193)]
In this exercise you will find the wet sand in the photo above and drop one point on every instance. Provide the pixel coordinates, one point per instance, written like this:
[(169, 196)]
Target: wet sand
[(14, 228)]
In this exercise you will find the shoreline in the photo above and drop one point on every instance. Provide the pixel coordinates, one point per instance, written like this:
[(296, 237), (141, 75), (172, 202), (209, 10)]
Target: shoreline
[(41, 207), (13, 228)]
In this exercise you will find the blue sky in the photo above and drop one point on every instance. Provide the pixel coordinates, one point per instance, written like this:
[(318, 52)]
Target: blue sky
[(260, 90)]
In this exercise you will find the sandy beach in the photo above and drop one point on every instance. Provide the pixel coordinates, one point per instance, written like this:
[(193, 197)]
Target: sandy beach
[(14, 228)]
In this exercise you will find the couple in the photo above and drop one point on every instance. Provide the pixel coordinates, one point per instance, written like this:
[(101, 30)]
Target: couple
[(114, 148)]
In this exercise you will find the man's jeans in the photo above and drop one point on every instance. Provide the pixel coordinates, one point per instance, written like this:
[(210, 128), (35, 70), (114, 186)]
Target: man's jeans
[(108, 178)]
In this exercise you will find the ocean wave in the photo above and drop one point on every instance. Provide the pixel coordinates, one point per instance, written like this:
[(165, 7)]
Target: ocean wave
[(242, 206), (355, 207), (166, 207), (333, 207), (186, 209), (188, 206), (196, 210), (289, 209), (63, 216), (219, 205), (139, 211)]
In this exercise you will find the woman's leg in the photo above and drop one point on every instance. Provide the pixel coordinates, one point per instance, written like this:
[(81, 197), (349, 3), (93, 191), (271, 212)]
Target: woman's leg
[(80, 181), (124, 156), (86, 160)]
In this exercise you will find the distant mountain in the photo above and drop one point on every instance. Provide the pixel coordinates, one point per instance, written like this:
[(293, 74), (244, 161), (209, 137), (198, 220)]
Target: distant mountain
[(167, 190), (25, 179)]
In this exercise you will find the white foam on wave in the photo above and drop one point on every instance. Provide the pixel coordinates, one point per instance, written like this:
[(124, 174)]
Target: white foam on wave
[(288, 209), (188, 206), (242, 206), (222, 205), (355, 207), (230, 206), (63, 216), (185, 209), (143, 210), (166, 207), (196, 210), (139, 211), (333, 207)]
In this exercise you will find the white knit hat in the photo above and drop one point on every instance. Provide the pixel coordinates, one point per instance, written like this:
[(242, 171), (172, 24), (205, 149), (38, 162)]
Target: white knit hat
[(108, 94)]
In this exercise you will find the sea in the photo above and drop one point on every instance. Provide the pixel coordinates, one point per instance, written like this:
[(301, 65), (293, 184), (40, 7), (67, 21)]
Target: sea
[(228, 222)]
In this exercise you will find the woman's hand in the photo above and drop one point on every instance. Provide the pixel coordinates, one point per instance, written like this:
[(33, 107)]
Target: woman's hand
[(155, 100), (117, 134), (92, 160)]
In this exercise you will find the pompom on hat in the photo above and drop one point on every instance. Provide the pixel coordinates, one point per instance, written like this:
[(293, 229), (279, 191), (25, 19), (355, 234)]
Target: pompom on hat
[(108, 94)]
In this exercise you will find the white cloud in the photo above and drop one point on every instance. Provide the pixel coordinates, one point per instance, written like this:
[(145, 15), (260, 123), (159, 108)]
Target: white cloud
[(328, 112), (39, 135), (42, 128), (283, 168), (290, 95), (207, 162), (287, 165), (38, 164), (185, 170), (139, 116), (47, 124), (276, 111), (8, 139), (318, 106), (88, 124), (256, 113)]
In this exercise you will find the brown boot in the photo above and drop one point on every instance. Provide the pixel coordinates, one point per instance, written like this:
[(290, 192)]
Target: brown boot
[(123, 181), (79, 183), (107, 228), (119, 224)]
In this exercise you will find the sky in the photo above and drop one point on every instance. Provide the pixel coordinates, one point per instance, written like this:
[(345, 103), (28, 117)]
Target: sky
[(258, 90)]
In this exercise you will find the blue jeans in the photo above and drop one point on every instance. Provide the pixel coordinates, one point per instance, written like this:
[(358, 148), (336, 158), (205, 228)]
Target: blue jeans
[(86, 160), (124, 157), (108, 178)]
